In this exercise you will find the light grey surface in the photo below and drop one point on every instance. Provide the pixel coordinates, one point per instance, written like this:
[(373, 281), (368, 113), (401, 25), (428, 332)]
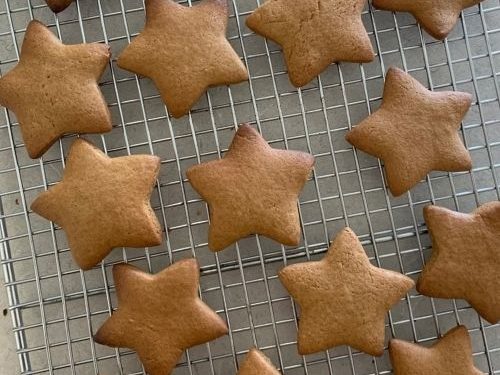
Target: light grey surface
[(56, 307), (9, 363)]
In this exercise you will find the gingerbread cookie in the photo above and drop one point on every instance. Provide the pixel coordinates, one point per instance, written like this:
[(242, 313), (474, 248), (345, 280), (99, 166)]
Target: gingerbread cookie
[(414, 131), (256, 363), (102, 203), (58, 5), (465, 261), (160, 316), (54, 89), (437, 17), (451, 355), (343, 298), (184, 50), (253, 189), (313, 34)]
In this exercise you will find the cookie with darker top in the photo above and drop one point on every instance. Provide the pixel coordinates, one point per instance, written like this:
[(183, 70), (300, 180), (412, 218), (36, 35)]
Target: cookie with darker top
[(253, 189)]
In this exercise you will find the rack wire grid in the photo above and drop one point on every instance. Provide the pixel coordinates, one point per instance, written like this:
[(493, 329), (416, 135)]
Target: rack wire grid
[(55, 307)]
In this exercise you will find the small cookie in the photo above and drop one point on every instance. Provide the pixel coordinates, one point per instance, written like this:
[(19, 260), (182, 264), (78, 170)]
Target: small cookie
[(451, 355), (256, 363), (343, 298), (184, 50), (160, 316), (313, 34), (437, 17), (102, 203), (465, 261), (53, 90), (253, 189), (58, 5), (414, 131)]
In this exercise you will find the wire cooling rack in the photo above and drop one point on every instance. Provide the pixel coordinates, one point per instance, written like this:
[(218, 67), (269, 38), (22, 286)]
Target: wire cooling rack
[(55, 307)]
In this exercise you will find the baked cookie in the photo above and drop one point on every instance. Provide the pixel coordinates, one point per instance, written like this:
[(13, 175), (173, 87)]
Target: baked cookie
[(253, 189), (58, 5), (159, 316), (437, 17), (256, 363), (184, 50), (102, 203), (343, 298), (451, 355), (54, 89), (414, 131), (313, 34), (465, 261)]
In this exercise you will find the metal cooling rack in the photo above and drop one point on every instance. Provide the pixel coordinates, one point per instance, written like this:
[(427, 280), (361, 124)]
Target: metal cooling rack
[(55, 307)]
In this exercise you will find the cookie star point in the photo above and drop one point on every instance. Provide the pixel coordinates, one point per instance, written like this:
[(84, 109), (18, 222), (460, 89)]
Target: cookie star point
[(437, 17), (253, 189), (102, 203), (451, 355), (184, 50), (362, 293), (53, 90), (414, 131), (465, 258), (166, 313), (304, 29), (256, 363)]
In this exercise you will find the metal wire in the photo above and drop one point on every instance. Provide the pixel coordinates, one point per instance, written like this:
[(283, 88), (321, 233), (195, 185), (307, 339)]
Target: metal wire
[(55, 307)]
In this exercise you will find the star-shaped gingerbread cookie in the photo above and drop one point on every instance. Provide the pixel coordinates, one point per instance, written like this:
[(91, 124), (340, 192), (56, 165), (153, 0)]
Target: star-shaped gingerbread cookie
[(437, 17), (58, 5), (53, 90), (414, 131), (102, 203), (313, 34), (465, 261), (343, 298), (184, 50), (253, 189), (160, 316), (451, 355), (256, 363)]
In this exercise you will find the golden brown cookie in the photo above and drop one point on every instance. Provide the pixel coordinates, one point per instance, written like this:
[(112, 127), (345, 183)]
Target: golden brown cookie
[(465, 261), (451, 355), (184, 50), (159, 316), (343, 298), (102, 203), (437, 17), (414, 131), (256, 363), (58, 5), (313, 34), (54, 89), (253, 189)]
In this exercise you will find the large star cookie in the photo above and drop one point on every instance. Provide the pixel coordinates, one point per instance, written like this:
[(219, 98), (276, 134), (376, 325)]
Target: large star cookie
[(160, 316), (184, 50), (102, 203), (313, 34), (58, 5), (451, 355), (465, 261), (253, 189), (54, 89), (256, 363), (343, 298), (437, 17), (414, 131)]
